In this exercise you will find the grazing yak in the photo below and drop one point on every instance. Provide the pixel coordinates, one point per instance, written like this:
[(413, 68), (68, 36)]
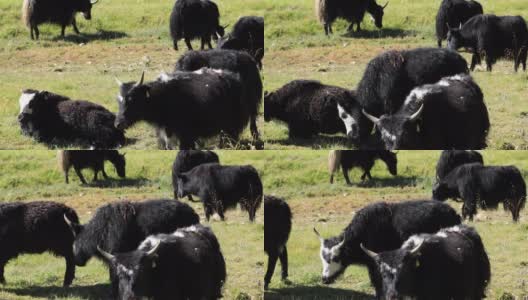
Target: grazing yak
[(121, 226), (421, 122), (453, 13), (237, 62), (185, 264), (186, 106), (309, 107), (449, 264), (59, 121), (492, 37), (380, 227), (390, 77), (36, 227), (328, 11), (364, 159), (62, 12), (450, 159), (93, 159), (247, 35), (186, 160), (195, 19), (483, 186), (277, 227), (223, 187)]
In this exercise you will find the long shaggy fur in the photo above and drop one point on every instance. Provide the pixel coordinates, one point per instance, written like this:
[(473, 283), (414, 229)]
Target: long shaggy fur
[(450, 159), (320, 9), (334, 162), (454, 13), (26, 12), (63, 160)]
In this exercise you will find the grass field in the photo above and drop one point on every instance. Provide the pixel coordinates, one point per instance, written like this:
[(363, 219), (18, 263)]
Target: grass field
[(33, 175), (122, 39), (302, 178), (298, 49)]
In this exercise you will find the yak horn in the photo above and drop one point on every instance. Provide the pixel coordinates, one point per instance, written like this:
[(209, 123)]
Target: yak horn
[(93, 2), (417, 113), (70, 224), (371, 254), (141, 80), (417, 248), (370, 117), (154, 249), (105, 254), (318, 235), (119, 82), (385, 5)]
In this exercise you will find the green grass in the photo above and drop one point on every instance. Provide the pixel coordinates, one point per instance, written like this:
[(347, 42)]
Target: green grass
[(298, 49), (302, 178), (34, 175), (122, 39)]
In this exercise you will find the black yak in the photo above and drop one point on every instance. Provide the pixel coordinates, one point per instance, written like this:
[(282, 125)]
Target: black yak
[(450, 159), (453, 13), (36, 227), (450, 114), (121, 226), (59, 121), (449, 264), (492, 37), (328, 11), (277, 227), (223, 187), (364, 159), (62, 12), (380, 227), (185, 264), (237, 62), (186, 160), (309, 107), (247, 35), (93, 159), (485, 187), (193, 19), (186, 106)]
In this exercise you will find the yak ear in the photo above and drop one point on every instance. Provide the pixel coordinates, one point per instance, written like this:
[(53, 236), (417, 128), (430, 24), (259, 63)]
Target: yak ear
[(259, 54)]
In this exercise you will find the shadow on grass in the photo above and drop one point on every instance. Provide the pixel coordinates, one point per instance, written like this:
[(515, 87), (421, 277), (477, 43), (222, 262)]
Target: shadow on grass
[(397, 181), (118, 182), (93, 292), (88, 37), (316, 142), (380, 33), (315, 292)]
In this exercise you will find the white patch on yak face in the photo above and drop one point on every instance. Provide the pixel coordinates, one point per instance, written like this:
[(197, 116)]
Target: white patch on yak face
[(164, 77), (346, 118), (149, 242), (388, 268), (387, 135), (328, 257), (123, 269), (24, 100)]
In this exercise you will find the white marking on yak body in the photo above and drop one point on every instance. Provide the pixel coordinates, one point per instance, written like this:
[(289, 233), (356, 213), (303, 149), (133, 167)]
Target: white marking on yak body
[(24, 101), (191, 228), (178, 234), (441, 234), (169, 141), (413, 241), (203, 70), (124, 269), (417, 94), (149, 242), (388, 135), (164, 77), (347, 119)]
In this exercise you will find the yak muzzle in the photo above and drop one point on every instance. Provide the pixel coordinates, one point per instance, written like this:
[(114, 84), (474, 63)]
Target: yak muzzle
[(87, 15)]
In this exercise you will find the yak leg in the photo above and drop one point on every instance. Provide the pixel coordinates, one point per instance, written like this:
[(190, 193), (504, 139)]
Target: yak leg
[(79, 174), (468, 209), (190, 197), (188, 43), (350, 27), (63, 28), (489, 63), (74, 24), (70, 270), (358, 29), (186, 143), (332, 178), (37, 33), (31, 31), (272, 261), (3, 262), (475, 59), (524, 54), (95, 174), (66, 175), (114, 282), (345, 174), (439, 42), (253, 128), (284, 263), (325, 27), (516, 60), (202, 45), (175, 44)]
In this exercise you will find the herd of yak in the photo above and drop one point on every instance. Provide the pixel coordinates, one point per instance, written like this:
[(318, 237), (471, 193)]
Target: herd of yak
[(210, 92), (417, 249), (406, 95), (155, 249)]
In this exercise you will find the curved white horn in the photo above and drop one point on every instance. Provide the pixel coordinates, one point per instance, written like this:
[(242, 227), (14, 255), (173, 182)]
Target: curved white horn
[(119, 82), (154, 249), (105, 254), (318, 235), (417, 248), (141, 80), (370, 117), (385, 5), (93, 2), (417, 113), (370, 253)]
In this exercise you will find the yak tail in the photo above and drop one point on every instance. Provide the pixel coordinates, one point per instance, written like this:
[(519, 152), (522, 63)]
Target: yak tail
[(63, 159), (334, 161), (26, 12), (320, 10)]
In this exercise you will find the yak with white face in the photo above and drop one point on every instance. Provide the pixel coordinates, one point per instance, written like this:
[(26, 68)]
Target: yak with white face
[(380, 226), (450, 114), (450, 264)]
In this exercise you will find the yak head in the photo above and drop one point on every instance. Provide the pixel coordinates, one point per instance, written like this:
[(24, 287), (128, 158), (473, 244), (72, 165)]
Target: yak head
[(28, 102), (398, 131), (377, 12), (331, 257), (441, 191), (135, 270), (391, 160), (133, 99), (81, 254), (119, 162), (85, 8), (184, 184), (454, 38), (220, 32), (350, 113), (271, 107), (397, 268)]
